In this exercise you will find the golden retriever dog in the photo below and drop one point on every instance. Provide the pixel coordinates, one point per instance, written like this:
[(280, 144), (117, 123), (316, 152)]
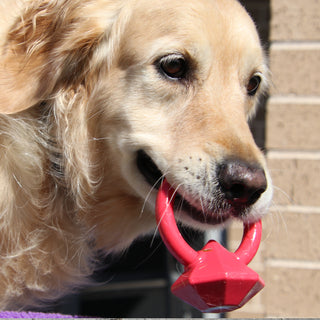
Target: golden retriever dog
[(102, 99)]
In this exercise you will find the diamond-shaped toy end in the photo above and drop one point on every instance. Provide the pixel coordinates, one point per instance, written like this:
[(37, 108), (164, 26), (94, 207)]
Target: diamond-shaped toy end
[(217, 281)]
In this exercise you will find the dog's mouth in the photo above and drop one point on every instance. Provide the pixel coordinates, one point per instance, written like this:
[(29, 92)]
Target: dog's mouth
[(154, 178), (149, 169)]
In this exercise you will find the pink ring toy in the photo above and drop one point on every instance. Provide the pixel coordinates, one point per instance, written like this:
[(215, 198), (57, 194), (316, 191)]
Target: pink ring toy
[(214, 280)]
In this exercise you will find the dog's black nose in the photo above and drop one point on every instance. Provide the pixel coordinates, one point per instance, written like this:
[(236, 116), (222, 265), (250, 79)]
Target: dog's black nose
[(241, 183)]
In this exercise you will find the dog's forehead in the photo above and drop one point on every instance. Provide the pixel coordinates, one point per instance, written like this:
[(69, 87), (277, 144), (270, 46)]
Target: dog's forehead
[(201, 27)]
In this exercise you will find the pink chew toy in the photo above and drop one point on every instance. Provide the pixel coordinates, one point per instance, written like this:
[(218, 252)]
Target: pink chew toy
[(214, 280)]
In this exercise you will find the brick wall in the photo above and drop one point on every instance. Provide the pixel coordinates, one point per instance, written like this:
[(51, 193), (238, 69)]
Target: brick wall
[(292, 249), (289, 257)]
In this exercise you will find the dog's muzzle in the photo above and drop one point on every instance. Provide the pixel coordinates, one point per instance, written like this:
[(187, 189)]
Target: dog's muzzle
[(240, 185)]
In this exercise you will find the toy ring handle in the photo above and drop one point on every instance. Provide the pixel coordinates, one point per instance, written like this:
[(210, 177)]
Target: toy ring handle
[(179, 248)]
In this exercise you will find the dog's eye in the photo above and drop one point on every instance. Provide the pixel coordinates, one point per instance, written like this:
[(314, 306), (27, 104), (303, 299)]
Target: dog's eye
[(253, 85), (173, 66)]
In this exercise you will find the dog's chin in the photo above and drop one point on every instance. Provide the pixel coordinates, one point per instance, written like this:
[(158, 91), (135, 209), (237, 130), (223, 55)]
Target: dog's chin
[(184, 210)]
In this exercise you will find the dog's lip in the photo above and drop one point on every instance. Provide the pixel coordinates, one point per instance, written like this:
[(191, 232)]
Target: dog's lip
[(181, 204), (154, 177)]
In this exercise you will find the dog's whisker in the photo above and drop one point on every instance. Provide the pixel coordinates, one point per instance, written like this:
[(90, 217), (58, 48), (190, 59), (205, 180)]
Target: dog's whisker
[(151, 190), (17, 181), (288, 197), (175, 192), (97, 113), (202, 208), (100, 139), (150, 254), (181, 201), (274, 217), (146, 200), (170, 201), (278, 213)]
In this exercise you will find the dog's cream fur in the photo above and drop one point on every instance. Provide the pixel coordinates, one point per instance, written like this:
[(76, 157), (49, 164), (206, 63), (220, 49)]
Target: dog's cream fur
[(80, 94)]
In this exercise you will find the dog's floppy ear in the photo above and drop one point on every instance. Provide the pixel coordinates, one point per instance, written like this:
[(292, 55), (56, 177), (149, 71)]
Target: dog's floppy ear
[(18, 85), (51, 46)]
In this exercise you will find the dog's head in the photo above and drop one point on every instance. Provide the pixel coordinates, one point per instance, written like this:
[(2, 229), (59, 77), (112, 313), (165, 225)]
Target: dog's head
[(191, 75), (168, 88)]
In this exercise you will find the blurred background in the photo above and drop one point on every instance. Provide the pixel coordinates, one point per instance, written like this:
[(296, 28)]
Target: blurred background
[(287, 128)]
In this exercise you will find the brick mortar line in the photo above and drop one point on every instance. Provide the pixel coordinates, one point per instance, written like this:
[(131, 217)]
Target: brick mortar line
[(296, 209), (293, 264), (292, 99), (295, 45), (293, 155)]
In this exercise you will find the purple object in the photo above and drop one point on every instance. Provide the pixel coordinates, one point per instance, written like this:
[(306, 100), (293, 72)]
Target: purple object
[(33, 315)]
